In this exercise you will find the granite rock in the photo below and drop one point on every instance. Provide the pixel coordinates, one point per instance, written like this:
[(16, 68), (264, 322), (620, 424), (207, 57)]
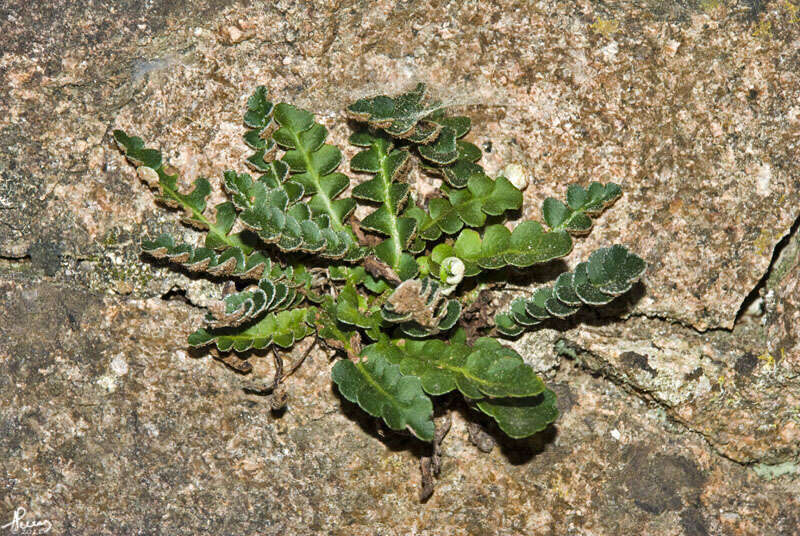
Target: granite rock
[(111, 427), (679, 402)]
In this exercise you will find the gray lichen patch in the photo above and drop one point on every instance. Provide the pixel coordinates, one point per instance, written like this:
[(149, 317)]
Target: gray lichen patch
[(721, 384)]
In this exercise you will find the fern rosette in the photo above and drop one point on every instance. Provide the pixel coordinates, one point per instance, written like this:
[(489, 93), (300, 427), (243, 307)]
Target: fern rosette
[(388, 291)]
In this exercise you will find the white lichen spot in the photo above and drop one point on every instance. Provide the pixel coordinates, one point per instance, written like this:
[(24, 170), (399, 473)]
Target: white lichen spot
[(151, 429), (703, 386), (107, 382), (615, 434), (119, 366), (609, 52), (144, 67), (764, 179)]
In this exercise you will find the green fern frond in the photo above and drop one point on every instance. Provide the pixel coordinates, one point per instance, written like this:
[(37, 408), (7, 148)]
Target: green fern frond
[(387, 188), (240, 307), (231, 261), (464, 166), (313, 163), (333, 332), (358, 275), (282, 329), (259, 118), (294, 206), (398, 116), (526, 245), (150, 166), (469, 206), (608, 273), (383, 391), (521, 417), (487, 369), (277, 217), (411, 117), (352, 309), (573, 216), (246, 193), (493, 376)]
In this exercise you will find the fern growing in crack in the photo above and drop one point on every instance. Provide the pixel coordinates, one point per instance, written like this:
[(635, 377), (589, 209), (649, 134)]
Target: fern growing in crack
[(387, 291)]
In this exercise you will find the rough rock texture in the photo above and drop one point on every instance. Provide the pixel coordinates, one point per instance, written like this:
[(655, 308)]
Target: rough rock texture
[(720, 384), (782, 301), (109, 425), (115, 429)]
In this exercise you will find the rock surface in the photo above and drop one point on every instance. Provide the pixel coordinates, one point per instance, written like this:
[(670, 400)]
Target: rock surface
[(110, 425)]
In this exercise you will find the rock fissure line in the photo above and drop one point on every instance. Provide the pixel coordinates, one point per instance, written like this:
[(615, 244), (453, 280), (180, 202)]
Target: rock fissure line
[(607, 372), (15, 259), (765, 279)]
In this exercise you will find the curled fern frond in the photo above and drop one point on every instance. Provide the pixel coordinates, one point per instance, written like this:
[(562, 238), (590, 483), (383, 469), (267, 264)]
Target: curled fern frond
[(608, 273), (231, 261), (259, 118), (240, 307), (420, 308), (282, 329)]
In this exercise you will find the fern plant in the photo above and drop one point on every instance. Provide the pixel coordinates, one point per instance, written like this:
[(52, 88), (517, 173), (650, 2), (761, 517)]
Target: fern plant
[(387, 291)]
